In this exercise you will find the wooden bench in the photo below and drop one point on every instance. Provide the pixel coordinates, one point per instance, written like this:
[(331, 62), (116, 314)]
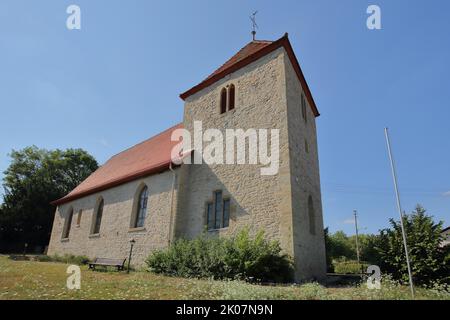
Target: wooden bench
[(105, 262)]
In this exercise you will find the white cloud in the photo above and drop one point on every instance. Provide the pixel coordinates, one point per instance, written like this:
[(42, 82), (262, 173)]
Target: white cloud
[(446, 194), (349, 221)]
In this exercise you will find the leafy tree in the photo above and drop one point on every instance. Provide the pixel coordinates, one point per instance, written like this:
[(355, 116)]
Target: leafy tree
[(328, 247), (423, 239), (340, 246), (368, 247), (34, 178)]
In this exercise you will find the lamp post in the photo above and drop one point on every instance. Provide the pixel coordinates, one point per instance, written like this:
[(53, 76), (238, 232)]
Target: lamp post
[(25, 249), (132, 242)]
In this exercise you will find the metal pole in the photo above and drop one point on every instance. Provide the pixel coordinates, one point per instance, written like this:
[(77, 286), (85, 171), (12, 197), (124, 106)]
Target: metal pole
[(25, 249), (357, 243), (394, 177)]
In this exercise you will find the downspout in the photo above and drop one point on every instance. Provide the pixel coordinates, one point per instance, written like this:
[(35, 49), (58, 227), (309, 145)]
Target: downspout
[(171, 204)]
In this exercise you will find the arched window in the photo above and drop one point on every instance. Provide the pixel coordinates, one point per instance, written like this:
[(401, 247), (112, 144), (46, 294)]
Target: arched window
[(67, 224), (223, 101), (98, 217), (141, 208), (312, 218), (232, 97)]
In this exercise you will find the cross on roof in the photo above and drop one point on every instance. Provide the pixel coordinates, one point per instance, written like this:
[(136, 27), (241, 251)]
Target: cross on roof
[(254, 25)]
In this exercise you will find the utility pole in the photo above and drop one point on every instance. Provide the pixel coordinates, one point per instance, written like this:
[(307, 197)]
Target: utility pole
[(399, 207), (357, 242)]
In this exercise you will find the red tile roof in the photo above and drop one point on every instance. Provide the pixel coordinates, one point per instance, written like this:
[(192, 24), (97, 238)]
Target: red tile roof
[(250, 53), (246, 51), (148, 157)]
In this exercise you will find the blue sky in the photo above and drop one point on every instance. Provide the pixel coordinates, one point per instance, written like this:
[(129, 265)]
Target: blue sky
[(116, 82)]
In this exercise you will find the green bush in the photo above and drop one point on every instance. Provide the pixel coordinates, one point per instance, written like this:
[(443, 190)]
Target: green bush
[(428, 259), (43, 258), (345, 266), (240, 257)]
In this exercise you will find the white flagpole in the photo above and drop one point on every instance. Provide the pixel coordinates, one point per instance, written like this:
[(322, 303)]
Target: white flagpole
[(394, 177)]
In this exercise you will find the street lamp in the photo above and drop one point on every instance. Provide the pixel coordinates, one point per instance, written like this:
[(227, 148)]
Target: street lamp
[(132, 242), (25, 249)]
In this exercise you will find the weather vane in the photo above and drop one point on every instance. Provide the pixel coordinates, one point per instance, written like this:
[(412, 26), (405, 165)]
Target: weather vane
[(254, 25)]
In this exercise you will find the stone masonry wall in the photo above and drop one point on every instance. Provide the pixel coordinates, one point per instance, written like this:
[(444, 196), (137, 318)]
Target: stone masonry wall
[(309, 247), (115, 232)]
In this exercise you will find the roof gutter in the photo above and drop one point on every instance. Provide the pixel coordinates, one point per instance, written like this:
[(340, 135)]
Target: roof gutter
[(153, 170)]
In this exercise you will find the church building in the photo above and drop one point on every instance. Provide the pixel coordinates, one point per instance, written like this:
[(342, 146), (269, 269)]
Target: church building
[(141, 194)]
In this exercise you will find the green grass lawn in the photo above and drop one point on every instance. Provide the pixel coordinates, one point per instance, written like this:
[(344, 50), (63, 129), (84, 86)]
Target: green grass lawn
[(47, 280)]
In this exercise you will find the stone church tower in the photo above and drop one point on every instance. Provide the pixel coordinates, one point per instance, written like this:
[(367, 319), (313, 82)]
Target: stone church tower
[(269, 91), (141, 195)]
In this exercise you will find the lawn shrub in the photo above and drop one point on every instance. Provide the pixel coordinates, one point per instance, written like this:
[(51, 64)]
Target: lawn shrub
[(66, 258), (43, 258), (241, 257), (345, 266)]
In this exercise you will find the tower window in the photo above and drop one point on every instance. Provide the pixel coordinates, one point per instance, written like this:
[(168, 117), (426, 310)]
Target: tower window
[(226, 212), (231, 94), (303, 102), (218, 212), (306, 146), (218, 207), (223, 101), (312, 216), (210, 215), (227, 98)]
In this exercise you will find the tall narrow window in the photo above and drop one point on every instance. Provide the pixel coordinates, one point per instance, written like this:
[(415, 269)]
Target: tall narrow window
[(232, 97), (312, 218), (306, 146), (210, 216), (142, 208), (218, 212), (98, 217), (226, 212), (223, 101), (218, 209), (303, 102), (79, 217), (67, 225)]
